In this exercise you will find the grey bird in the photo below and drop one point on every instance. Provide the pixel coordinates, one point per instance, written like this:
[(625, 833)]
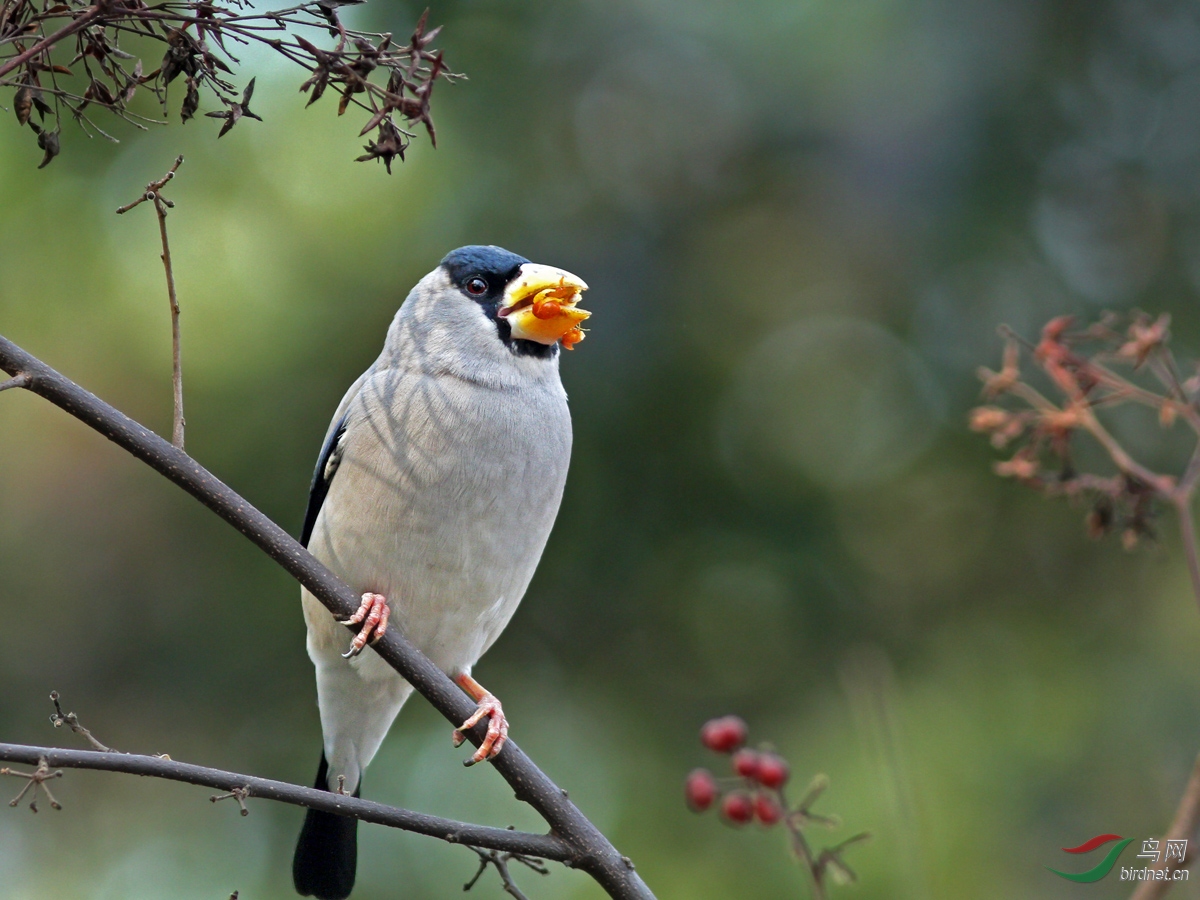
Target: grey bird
[(434, 494)]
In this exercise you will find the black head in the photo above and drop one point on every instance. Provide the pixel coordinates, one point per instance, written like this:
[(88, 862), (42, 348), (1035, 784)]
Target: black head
[(482, 273)]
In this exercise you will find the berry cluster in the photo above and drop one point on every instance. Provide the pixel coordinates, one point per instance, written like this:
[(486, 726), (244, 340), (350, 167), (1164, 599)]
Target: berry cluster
[(755, 791), (760, 777)]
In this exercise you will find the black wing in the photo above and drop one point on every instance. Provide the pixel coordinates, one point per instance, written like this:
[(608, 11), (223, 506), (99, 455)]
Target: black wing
[(327, 465)]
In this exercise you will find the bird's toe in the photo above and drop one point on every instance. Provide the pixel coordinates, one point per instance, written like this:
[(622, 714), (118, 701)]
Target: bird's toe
[(486, 706), (373, 614)]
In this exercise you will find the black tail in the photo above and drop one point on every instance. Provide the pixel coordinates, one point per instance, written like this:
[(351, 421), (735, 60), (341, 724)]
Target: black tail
[(327, 852)]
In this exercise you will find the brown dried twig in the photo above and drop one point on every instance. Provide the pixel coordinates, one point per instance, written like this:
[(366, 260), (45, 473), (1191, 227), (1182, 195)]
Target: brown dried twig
[(153, 194), (500, 862), (1077, 364), (239, 794), (71, 720)]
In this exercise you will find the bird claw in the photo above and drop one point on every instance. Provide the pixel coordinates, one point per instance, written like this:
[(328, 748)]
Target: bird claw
[(373, 613), (487, 706)]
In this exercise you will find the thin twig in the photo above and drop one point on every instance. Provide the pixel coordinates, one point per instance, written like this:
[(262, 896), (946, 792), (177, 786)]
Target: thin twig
[(500, 862), (239, 794), (153, 193), (72, 721), (802, 850), (1184, 827), (176, 366), (591, 850)]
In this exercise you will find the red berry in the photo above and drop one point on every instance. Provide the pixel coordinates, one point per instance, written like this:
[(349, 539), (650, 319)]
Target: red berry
[(767, 809), (723, 735), (700, 789), (745, 763), (737, 808), (772, 771)]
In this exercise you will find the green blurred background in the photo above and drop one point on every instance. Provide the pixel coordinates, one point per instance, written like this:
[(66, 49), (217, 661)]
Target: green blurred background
[(801, 222)]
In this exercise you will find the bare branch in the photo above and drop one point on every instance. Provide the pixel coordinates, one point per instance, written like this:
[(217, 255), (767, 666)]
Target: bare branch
[(592, 850), (504, 840), (72, 721), (1184, 827), (500, 862), (1187, 534)]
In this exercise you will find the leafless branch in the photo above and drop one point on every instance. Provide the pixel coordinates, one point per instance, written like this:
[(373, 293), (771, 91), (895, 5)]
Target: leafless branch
[(590, 850), (153, 193), (1046, 429), (500, 862), (72, 721), (504, 840), (1184, 827)]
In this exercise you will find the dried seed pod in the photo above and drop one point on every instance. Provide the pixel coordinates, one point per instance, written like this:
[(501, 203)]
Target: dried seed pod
[(48, 141), (23, 104)]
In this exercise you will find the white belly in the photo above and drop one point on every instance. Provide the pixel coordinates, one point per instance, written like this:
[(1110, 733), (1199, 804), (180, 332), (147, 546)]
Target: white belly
[(443, 501)]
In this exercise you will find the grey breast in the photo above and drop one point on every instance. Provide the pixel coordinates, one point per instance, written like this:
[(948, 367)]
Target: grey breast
[(443, 501)]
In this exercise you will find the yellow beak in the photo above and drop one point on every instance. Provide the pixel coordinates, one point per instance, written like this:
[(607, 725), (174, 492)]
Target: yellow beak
[(540, 305)]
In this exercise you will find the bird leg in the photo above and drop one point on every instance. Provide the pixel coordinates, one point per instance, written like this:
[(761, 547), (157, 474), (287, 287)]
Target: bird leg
[(373, 613), (486, 705)]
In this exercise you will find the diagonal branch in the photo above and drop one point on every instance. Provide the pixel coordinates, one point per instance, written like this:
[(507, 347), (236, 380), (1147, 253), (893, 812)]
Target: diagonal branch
[(1187, 822), (594, 853), (502, 839), (80, 22)]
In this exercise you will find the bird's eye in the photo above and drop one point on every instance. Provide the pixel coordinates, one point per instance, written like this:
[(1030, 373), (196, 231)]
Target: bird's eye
[(476, 285)]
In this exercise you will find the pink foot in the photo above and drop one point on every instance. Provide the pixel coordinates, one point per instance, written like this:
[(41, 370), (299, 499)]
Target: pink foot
[(486, 705), (373, 614)]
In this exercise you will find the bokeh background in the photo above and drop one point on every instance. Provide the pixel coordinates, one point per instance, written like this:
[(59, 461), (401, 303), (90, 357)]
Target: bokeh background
[(802, 222)]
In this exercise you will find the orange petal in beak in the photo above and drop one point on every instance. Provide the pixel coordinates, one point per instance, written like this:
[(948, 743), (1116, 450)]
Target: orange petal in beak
[(540, 305)]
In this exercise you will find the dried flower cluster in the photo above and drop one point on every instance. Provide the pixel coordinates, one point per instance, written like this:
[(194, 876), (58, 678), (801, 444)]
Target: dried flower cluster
[(67, 58), (1082, 365), (756, 790)]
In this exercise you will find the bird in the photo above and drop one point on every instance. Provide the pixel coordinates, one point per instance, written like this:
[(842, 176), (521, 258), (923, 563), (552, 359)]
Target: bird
[(434, 494)]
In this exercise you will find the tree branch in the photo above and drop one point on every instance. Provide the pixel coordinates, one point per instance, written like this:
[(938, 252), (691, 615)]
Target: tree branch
[(594, 853), (546, 846), (1187, 534), (1187, 820), (82, 21)]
